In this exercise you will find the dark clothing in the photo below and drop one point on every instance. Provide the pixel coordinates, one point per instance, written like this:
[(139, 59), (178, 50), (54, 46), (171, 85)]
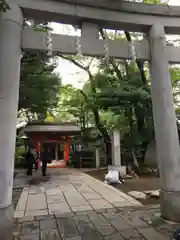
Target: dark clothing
[(30, 160), (176, 235), (45, 158), (44, 167), (36, 165)]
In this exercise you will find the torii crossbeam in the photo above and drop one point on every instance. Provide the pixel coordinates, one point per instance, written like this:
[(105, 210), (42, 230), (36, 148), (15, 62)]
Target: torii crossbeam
[(65, 44), (112, 14)]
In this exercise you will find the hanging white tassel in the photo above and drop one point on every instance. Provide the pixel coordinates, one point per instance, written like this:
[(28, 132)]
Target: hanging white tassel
[(106, 50), (132, 50), (78, 45), (49, 44)]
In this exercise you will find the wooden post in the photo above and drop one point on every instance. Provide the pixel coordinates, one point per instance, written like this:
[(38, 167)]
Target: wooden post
[(38, 147), (66, 149), (56, 152)]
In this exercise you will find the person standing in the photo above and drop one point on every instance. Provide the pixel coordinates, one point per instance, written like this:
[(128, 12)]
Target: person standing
[(45, 158), (30, 157)]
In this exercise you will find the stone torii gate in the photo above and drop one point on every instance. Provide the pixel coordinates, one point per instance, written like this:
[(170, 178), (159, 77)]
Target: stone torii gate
[(154, 20)]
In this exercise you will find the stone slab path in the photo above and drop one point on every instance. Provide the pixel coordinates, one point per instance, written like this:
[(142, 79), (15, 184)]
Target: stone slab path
[(69, 191), (107, 224), (74, 206)]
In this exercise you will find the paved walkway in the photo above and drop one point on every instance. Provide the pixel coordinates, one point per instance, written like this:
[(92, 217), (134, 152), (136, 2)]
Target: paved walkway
[(75, 206), (71, 191)]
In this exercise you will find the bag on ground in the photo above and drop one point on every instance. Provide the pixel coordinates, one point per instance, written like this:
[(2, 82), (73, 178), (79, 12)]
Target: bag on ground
[(112, 177)]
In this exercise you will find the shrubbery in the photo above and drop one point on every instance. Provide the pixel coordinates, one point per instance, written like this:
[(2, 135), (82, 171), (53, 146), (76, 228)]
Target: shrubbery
[(19, 156)]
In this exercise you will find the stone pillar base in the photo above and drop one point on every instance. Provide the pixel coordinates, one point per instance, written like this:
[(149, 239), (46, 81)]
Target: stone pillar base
[(170, 205), (121, 169), (6, 223)]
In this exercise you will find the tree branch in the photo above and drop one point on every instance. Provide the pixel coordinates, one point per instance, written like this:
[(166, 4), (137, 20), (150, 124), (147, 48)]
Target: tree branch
[(85, 68), (84, 95), (94, 109)]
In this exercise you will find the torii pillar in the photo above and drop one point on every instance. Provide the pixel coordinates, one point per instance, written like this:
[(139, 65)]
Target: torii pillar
[(167, 143), (10, 56)]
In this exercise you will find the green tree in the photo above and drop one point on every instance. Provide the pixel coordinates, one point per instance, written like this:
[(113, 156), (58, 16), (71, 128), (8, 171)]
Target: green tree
[(119, 96), (39, 86), (3, 6), (129, 103), (69, 105), (85, 64), (73, 106)]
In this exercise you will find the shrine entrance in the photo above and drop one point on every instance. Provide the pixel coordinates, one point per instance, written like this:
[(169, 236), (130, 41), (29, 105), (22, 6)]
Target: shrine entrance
[(56, 149), (155, 21), (57, 137)]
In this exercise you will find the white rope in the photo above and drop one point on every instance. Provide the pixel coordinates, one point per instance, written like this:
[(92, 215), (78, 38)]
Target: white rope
[(132, 50), (49, 44), (106, 51), (78, 45)]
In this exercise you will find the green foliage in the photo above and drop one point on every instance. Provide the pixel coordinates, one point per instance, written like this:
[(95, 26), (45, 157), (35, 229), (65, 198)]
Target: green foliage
[(39, 85), (70, 103), (119, 96), (3, 6), (73, 106), (19, 155), (128, 103), (156, 1), (115, 97)]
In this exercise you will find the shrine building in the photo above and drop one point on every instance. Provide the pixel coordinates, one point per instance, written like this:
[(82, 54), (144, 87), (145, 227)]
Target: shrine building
[(55, 136)]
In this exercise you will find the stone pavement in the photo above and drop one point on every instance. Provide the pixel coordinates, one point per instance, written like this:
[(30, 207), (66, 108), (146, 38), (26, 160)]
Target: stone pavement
[(70, 191), (105, 224), (74, 206)]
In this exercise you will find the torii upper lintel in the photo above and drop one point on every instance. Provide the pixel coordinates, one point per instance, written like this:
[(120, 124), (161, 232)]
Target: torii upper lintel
[(136, 17)]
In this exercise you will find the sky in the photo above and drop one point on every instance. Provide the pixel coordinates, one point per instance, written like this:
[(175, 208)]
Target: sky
[(68, 71)]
